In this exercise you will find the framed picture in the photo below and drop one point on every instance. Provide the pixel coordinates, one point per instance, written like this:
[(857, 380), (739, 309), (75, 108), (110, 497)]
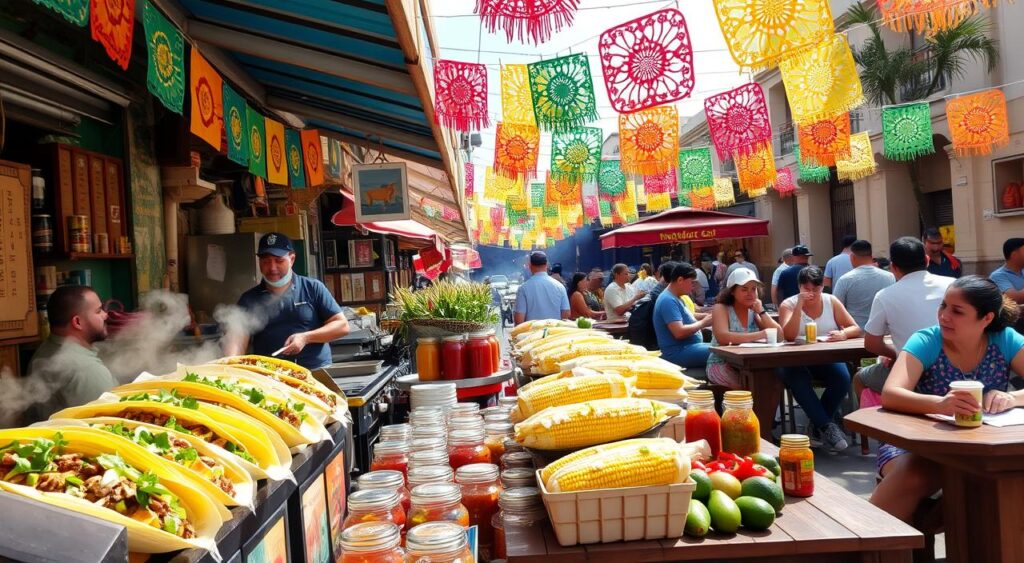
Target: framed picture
[(330, 254), (345, 281), (389, 253), (374, 286), (273, 545), (358, 287), (316, 534), (336, 494), (360, 253), (381, 192)]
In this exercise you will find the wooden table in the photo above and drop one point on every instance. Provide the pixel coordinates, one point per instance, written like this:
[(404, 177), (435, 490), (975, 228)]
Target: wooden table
[(615, 329), (757, 369), (832, 526), (982, 475)]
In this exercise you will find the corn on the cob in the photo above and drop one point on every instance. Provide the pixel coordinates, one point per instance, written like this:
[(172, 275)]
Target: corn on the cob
[(645, 356), (548, 362), (658, 462), (568, 390), (551, 468), (547, 344), (533, 335), (667, 395), (590, 423), (531, 325), (649, 374)]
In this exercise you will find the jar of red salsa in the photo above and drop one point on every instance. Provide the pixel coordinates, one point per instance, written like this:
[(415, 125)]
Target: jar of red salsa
[(375, 505), (386, 479), (372, 542), (702, 422), (438, 542), (437, 502), (478, 356), (741, 432), (466, 447), (391, 455), (480, 490), (492, 339), (453, 355)]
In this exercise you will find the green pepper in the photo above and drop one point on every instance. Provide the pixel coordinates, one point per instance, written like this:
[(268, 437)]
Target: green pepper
[(170, 525), (72, 480), (32, 479), (121, 507)]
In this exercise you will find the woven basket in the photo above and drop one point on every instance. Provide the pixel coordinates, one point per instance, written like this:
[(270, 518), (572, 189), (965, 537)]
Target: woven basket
[(444, 327)]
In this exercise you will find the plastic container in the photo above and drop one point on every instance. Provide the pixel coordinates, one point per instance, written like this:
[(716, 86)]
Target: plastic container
[(390, 455), (372, 542), (741, 431), (375, 505), (520, 507), (702, 422), (480, 491), (437, 502), (387, 479), (430, 474), (438, 542), (453, 361), (611, 515), (466, 447), (797, 462), (428, 358), (479, 357)]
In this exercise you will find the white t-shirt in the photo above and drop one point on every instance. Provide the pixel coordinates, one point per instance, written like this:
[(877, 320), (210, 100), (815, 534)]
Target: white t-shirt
[(615, 296), (826, 321), (907, 306)]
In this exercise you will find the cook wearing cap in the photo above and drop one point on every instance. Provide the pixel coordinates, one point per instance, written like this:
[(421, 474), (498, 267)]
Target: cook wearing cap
[(736, 318), (541, 297), (294, 314), (788, 285)]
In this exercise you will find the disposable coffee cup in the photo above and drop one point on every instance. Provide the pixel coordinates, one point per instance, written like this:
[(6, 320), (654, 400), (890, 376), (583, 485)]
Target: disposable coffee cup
[(975, 388), (771, 335)]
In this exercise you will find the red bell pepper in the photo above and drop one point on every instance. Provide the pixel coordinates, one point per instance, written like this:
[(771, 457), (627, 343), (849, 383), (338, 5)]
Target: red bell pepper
[(737, 466), (698, 465)]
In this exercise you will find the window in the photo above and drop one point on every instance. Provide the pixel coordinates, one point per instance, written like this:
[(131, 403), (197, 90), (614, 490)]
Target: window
[(787, 139), (856, 116), (1008, 185)]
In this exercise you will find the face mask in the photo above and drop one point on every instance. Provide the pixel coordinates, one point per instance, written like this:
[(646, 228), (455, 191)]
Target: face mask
[(285, 280)]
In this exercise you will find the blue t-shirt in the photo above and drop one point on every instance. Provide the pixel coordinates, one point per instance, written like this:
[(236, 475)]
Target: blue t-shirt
[(993, 370), (789, 285), (305, 305), (541, 297), (667, 309), (1007, 279)]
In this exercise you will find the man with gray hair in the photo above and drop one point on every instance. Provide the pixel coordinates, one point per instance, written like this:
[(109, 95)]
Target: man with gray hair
[(620, 296), (784, 262)]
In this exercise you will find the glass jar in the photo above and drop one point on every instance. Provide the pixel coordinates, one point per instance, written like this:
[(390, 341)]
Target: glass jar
[(431, 443), (395, 433), (428, 358), (424, 458), (453, 365), (480, 490), (38, 190), (430, 474), (463, 409), (372, 542), (427, 421), (391, 455), (492, 339), (518, 477), (797, 462), (741, 432), (511, 445), (375, 505), (520, 507), (517, 459), (42, 233), (438, 542), (495, 434), (702, 422), (466, 422), (466, 447), (435, 502), (386, 479), (498, 417), (508, 401), (478, 355), (496, 410)]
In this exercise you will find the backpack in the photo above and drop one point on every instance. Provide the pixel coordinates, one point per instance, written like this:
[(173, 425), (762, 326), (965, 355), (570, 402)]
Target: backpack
[(640, 327)]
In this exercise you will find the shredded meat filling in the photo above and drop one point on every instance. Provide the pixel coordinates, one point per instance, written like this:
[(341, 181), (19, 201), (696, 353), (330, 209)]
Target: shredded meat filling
[(52, 482), (147, 417), (289, 417)]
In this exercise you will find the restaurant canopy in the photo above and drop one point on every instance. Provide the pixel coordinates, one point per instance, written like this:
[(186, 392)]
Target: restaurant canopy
[(684, 224)]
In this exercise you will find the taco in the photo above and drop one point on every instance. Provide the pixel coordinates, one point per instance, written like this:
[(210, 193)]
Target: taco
[(308, 386), (231, 374), (186, 415), (212, 470), (280, 411), (83, 470)]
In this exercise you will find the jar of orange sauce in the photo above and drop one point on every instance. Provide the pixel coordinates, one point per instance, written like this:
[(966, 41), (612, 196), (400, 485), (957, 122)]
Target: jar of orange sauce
[(428, 358)]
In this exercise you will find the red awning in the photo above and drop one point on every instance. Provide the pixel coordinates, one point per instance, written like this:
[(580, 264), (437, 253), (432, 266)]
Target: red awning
[(407, 228), (684, 224)]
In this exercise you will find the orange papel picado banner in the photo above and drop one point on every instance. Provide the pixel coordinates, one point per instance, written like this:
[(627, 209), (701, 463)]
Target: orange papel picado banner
[(207, 108), (277, 168), (313, 157)]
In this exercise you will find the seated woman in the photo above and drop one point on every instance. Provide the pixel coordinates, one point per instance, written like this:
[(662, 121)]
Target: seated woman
[(737, 301), (973, 340), (834, 323), (677, 329), (578, 291)]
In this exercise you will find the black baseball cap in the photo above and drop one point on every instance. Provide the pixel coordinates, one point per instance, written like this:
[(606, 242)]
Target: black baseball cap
[(538, 258), (801, 250), (275, 244)]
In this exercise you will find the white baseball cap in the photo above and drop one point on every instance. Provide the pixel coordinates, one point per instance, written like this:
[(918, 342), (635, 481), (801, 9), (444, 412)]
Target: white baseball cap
[(741, 276)]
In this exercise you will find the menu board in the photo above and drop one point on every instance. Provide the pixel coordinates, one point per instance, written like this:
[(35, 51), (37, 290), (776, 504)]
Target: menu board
[(314, 523), (334, 474), (273, 548), (18, 316)]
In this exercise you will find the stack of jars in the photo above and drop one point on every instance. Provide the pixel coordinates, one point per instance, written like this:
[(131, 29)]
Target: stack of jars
[(466, 436), (480, 489), (380, 542), (460, 356), (519, 507)]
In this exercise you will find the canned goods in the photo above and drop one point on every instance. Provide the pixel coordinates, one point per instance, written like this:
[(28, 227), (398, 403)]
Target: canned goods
[(78, 233), (42, 233), (101, 242)]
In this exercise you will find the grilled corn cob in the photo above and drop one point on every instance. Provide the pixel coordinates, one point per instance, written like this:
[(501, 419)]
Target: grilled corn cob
[(547, 344), (531, 325), (654, 462), (667, 395), (548, 362), (551, 468), (534, 335), (657, 374), (568, 390), (593, 422)]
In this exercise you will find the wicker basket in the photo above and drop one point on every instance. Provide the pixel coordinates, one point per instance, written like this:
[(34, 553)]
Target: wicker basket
[(444, 327)]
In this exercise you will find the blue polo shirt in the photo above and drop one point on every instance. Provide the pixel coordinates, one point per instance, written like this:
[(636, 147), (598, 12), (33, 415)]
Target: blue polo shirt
[(541, 297), (1007, 279), (305, 305), (789, 284)]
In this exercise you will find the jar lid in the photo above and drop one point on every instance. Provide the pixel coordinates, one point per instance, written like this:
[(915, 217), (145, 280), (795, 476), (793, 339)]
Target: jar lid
[(471, 422), (398, 430), (433, 493), (499, 427), (508, 401), (735, 395), (391, 447), (428, 457), (495, 410), (371, 536), (519, 497), (795, 441), (481, 334), (456, 338), (511, 445), (428, 443), (382, 479), (429, 474), (517, 459), (464, 436), (428, 340), (701, 395), (477, 473), (518, 477), (460, 408), (430, 409), (427, 432), (436, 537), (373, 499)]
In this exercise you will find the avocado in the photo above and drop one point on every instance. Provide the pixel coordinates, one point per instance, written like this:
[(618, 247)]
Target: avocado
[(766, 490), (725, 515), (756, 514)]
